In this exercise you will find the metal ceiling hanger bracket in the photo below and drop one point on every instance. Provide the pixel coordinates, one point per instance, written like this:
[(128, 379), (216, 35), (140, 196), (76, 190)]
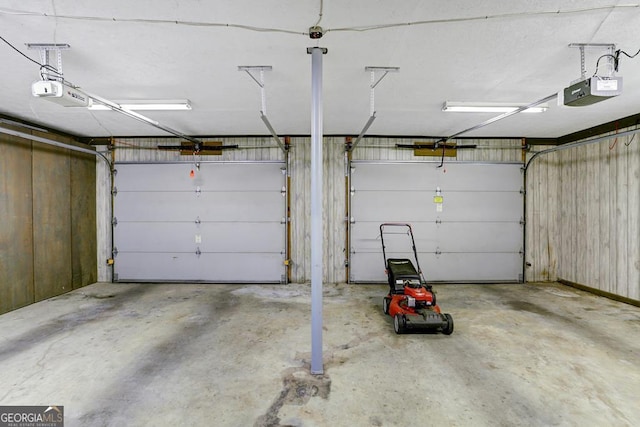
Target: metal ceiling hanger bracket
[(609, 47), (372, 98), (250, 69), (46, 51)]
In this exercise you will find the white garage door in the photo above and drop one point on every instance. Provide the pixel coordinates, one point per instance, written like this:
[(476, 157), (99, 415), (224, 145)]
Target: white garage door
[(466, 219), (225, 223)]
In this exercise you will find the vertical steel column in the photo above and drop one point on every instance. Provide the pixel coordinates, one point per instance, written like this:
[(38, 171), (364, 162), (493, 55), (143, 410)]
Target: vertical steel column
[(316, 209)]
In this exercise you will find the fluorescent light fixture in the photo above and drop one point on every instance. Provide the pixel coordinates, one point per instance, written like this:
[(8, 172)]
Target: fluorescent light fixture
[(158, 104), (491, 107)]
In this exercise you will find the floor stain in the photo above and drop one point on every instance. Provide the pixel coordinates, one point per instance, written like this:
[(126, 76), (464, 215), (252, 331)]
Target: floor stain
[(99, 296), (527, 306), (298, 387)]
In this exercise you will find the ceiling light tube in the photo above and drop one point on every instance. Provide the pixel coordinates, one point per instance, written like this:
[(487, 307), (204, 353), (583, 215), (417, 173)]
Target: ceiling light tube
[(148, 105), (490, 107)]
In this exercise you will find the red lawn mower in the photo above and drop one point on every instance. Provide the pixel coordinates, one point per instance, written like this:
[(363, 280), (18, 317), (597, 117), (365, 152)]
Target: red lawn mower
[(411, 302)]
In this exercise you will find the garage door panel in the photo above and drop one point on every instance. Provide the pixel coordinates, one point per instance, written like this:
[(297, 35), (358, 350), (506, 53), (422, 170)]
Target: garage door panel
[(446, 267), (368, 267), (366, 237), (387, 206), (189, 267), (486, 267), (381, 176), (481, 177), (445, 237), (239, 176), (485, 237), (156, 206), (178, 206), (245, 206), (244, 267), (149, 177), (426, 176), (481, 206), (243, 237), (209, 237), (210, 177), (474, 230), (224, 224)]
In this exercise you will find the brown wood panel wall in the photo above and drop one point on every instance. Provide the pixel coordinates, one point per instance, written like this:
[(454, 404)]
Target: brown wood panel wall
[(83, 220), (51, 221), (16, 244), (47, 221)]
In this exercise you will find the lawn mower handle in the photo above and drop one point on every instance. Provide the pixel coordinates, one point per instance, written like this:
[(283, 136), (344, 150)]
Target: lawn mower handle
[(413, 242)]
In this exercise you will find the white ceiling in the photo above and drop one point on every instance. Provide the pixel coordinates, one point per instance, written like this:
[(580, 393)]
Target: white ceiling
[(499, 50)]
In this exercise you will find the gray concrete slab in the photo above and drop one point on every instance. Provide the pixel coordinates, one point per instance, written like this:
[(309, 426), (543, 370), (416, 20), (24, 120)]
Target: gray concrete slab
[(235, 355)]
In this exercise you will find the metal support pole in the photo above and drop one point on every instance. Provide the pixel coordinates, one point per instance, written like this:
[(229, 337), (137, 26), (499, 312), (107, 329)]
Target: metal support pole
[(316, 209)]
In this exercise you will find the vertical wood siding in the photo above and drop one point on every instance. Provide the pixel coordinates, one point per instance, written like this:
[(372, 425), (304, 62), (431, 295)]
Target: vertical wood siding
[(47, 221), (16, 224), (83, 219), (543, 213), (103, 216), (583, 206), (333, 209)]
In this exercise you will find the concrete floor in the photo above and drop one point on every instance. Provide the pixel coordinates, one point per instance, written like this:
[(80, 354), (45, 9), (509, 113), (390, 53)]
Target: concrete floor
[(236, 355)]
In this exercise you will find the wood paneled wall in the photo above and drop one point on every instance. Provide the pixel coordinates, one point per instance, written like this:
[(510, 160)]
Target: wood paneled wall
[(583, 208), (334, 253), (47, 221), (16, 224)]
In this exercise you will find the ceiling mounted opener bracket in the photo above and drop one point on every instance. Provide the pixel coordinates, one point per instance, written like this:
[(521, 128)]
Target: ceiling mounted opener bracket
[(372, 99), (374, 82), (46, 52), (250, 69), (609, 47)]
